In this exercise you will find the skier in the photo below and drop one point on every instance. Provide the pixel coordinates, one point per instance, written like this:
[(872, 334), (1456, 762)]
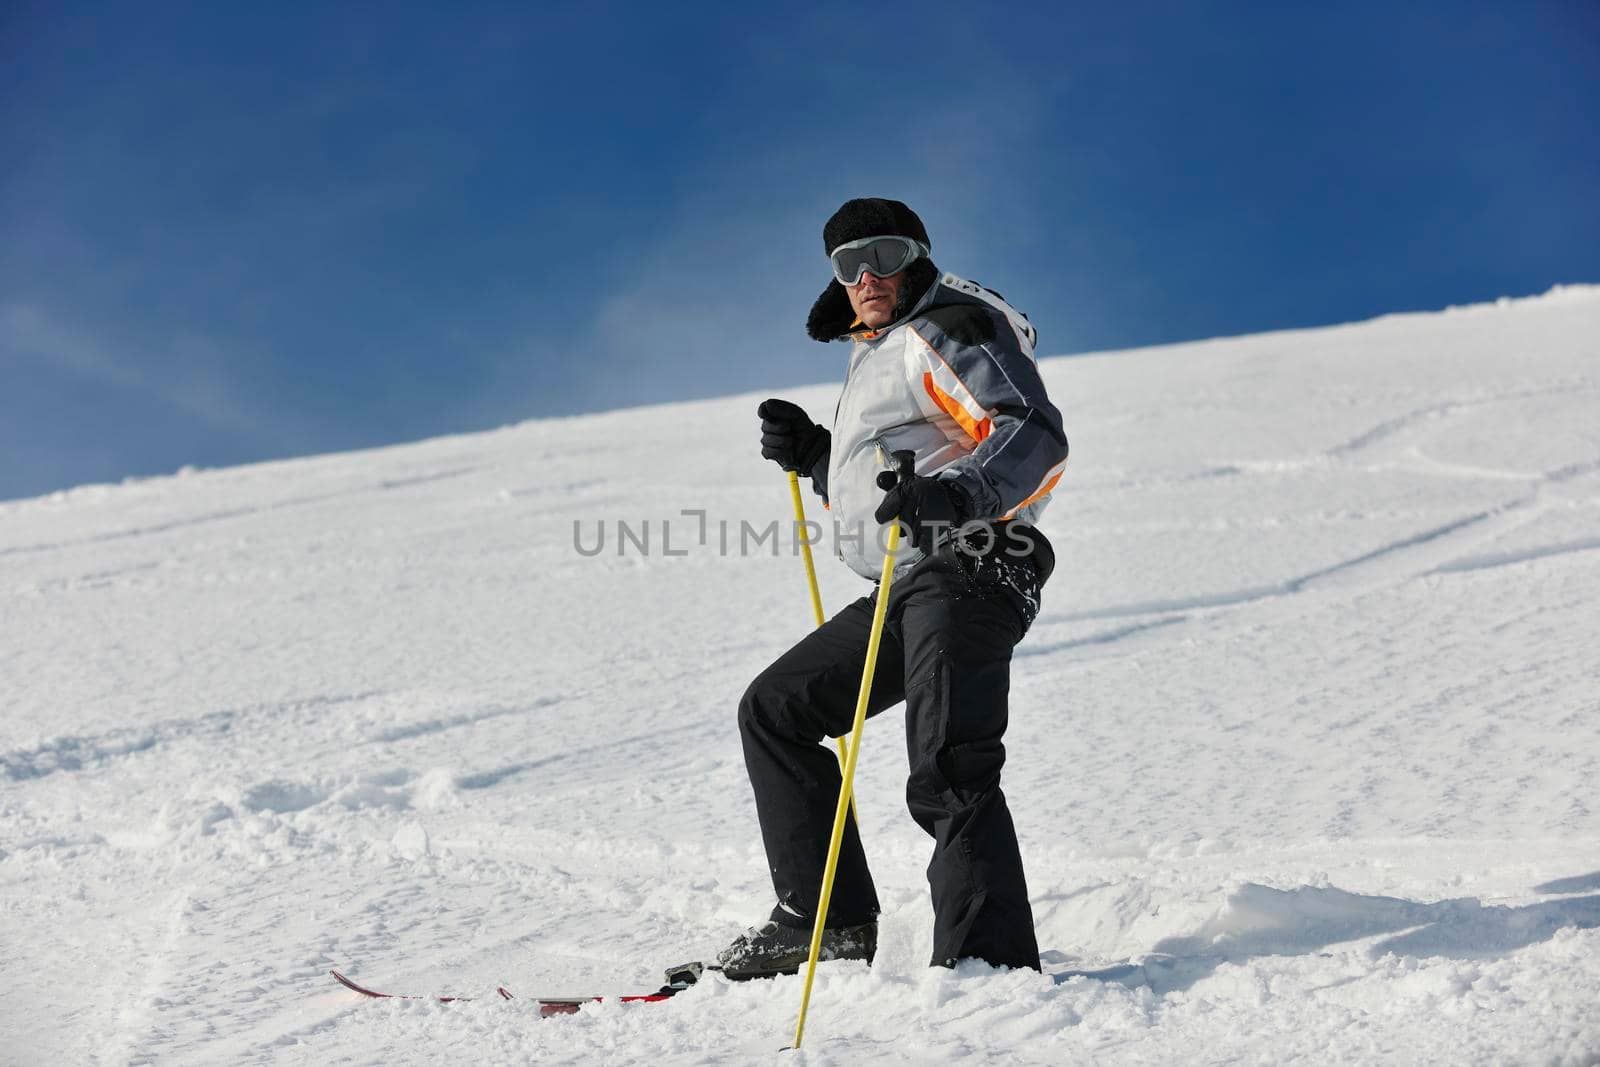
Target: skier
[(943, 368)]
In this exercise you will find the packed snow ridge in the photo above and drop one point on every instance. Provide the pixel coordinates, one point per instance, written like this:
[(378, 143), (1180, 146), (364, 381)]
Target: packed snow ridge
[(1302, 754)]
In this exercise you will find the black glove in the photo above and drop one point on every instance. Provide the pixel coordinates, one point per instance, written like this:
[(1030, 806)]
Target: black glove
[(790, 438), (930, 507)]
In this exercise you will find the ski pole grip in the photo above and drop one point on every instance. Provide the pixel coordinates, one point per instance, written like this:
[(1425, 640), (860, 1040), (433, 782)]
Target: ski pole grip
[(905, 462)]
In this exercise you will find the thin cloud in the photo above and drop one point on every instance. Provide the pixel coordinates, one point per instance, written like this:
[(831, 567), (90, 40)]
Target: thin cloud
[(29, 334)]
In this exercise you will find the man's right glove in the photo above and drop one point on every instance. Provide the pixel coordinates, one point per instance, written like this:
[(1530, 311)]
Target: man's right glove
[(789, 437), (931, 508)]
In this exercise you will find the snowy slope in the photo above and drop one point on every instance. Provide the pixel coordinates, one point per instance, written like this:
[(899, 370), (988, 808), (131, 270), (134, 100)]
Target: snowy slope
[(1308, 727)]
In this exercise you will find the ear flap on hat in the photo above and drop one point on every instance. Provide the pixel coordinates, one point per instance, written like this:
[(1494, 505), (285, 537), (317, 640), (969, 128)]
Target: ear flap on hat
[(920, 277), (831, 316)]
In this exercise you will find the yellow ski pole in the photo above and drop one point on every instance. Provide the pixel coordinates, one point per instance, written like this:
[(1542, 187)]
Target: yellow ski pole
[(805, 548), (811, 579), (875, 637)]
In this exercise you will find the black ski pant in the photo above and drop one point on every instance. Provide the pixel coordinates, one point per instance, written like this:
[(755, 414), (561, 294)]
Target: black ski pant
[(946, 651)]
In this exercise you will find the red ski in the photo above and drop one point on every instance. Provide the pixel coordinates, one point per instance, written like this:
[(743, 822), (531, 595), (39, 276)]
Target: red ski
[(547, 1005), (364, 991)]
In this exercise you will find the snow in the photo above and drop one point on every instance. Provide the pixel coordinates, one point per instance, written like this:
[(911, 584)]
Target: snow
[(1303, 744)]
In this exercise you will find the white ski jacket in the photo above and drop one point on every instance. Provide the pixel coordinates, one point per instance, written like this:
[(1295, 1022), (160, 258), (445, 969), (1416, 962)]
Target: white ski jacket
[(955, 382)]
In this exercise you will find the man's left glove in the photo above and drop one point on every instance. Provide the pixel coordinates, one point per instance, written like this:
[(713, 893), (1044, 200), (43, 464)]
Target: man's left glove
[(789, 438), (930, 507)]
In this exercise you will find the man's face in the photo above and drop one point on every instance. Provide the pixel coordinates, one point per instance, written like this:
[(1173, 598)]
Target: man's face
[(874, 298)]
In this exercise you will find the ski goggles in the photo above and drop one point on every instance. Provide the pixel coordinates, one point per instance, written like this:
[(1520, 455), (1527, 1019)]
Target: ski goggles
[(883, 256)]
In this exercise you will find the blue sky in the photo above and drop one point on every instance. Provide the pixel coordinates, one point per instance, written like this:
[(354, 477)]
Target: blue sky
[(238, 232)]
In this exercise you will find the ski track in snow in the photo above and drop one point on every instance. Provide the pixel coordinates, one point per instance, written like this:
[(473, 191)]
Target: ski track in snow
[(1303, 743)]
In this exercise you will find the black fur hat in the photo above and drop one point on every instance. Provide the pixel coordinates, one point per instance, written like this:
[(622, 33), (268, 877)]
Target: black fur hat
[(872, 217), (831, 316)]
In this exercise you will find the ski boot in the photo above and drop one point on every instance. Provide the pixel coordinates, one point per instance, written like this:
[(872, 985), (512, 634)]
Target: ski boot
[(772, 949)]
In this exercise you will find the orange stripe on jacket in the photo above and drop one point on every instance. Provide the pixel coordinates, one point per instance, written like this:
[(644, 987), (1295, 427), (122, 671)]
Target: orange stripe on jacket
[(977, 430), (1049, 485)]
